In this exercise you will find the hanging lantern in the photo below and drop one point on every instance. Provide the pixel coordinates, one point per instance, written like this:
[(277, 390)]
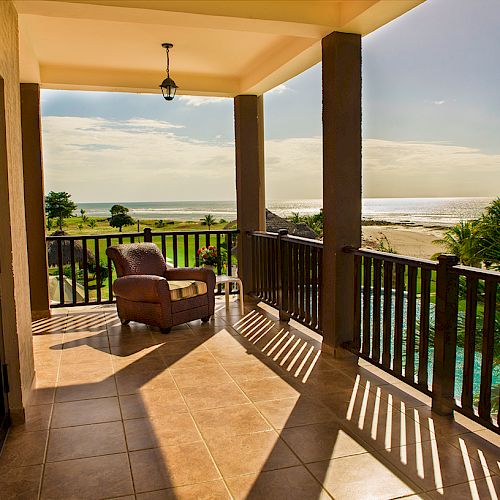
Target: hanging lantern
[(168, 86)]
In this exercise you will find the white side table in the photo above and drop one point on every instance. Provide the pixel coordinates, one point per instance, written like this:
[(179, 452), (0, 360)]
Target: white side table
[(226, 281)]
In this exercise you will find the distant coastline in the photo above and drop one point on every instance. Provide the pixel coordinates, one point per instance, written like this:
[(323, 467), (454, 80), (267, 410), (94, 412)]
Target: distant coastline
[(427, 212)]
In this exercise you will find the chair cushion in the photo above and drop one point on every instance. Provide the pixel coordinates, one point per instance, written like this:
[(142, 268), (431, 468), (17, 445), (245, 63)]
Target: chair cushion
[(186, 289)]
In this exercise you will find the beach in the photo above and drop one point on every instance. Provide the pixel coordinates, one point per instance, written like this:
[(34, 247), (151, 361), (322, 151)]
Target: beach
[(413, 241)]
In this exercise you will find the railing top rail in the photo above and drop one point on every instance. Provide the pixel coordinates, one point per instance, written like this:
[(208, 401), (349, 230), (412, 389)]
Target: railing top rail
[(287, 237), (390, 257), (136, 235), (474, 272)]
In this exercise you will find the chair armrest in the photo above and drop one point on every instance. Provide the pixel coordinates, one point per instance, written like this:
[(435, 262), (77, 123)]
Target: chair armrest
[(191, 273), (142, 288)]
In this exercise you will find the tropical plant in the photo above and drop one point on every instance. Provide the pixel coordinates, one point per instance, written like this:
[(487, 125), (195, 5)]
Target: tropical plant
[(160, 223), (50, 224), (296, 218), (208, 220), (83, 214), (58, 205), (120, 217), (489, 235), (462, 240), (103, 272), (92, 223)]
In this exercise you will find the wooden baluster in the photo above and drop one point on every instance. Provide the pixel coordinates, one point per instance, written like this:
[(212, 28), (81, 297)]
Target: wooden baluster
[(97, 269), (398, 319), (469, 343), (423, 345), (110, 272), (73, 270), (186, 250), (175, 250), (387, 316), (314, 288), (411, 319), (85, 271), (320, 283), (487, 349), (367, 277), (61, 270), (377, 272), (196, 248)]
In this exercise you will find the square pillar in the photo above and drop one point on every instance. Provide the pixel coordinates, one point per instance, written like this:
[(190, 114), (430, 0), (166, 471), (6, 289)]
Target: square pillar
[(250, 183), (341, 54), (34, 200)]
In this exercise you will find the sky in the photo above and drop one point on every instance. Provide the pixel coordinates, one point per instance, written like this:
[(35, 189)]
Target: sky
[(431, 124)]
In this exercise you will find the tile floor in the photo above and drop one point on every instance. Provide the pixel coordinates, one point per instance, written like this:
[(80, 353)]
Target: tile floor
[(241, 407)]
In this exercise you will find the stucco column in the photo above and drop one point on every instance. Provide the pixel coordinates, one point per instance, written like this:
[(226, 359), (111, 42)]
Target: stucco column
[(250, 184), (341, 181), (34, 199)]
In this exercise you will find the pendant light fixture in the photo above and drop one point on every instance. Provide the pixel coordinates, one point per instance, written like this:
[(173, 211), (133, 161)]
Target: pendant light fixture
[(168, 86)]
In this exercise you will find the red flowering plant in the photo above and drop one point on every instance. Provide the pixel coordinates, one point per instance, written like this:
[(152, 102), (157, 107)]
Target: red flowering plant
[(208, 255)]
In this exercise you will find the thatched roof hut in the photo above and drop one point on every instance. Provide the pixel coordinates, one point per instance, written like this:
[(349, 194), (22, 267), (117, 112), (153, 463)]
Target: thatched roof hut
[(52, 252), (274, 223)]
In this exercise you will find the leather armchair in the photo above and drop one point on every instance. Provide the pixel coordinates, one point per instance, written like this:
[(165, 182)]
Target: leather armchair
[(148, 292)]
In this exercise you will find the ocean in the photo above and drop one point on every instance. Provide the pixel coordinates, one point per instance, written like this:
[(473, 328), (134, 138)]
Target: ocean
[(418, 211)]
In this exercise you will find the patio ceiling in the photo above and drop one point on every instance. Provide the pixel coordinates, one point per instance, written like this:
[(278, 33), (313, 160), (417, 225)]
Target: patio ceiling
[(220, 48)]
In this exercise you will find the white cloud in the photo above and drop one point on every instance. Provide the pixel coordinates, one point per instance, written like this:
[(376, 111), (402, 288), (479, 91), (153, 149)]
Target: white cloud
[(438, 103), (104, 160), (198, 100)]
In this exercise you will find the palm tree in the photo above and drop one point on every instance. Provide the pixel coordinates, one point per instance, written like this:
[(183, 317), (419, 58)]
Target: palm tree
[(295, 218), (461, 240), (208, 220)]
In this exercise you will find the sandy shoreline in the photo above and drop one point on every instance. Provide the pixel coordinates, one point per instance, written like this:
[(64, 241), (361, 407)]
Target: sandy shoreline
[(414, 241)]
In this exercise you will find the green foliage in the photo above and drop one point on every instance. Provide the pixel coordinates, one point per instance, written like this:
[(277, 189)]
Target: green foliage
[(50, 224), (119, 217), (121, 220), (160, 223), (103, 271), (208, 220), (384, 245), (92, 223), (315, 221), (83, 215), (477, 241), (118, 209), (58, 205), (80, 226), (223, 221)]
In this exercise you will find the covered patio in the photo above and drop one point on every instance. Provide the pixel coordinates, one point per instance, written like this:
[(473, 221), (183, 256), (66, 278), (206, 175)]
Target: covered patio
[(241, 407), (251, 405)]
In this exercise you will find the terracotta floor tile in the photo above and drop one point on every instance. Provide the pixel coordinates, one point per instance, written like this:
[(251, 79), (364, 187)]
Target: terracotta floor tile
[(23, 448), (293, 483), (166, 430), (136, 382), (85, 441), (84, 373), (152, 404), (74, 392), (360, 477), (230, 421), (212, 490), (435, 464), (190, 360), (94, 340), (20, 483), (89, 478), (268, 389), (481, 488), (85, 355), (87, 411), (217, 396), (292, 412), (37, 418), (42, 395), (250, 453), (446, 426), (251, 369), (172, 466), (201, 376), (316, 442)]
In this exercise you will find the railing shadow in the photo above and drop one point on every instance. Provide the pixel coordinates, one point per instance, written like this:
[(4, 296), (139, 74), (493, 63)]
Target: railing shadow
[(372, 419)]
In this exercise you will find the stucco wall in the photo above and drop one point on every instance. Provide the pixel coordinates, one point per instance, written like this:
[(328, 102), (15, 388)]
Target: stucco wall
[(14, 280)]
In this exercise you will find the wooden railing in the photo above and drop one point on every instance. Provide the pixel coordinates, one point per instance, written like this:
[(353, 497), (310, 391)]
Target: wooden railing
[(435, 325), (85, 274), (287, 275)]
